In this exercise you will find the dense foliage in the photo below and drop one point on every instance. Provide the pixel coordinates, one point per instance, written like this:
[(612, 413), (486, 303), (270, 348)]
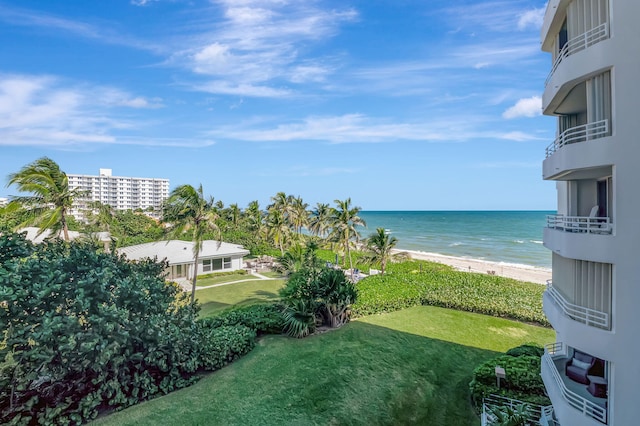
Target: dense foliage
[(485, 294), (223, 345), (86, 332), (523, 380), (264, 319)]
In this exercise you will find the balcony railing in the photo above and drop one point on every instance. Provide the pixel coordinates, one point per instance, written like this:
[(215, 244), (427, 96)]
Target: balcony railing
[(583, 133), (492, 401), (581, 42), (578, 313), (588, 408), (581, 224)]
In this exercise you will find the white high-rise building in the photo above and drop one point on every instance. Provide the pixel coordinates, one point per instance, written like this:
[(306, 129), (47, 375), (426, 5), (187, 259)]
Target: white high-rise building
[(592, 372), (121, 193), (3, 201)]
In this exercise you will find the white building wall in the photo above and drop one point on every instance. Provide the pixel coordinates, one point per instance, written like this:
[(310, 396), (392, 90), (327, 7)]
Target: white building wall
[(621, 151)]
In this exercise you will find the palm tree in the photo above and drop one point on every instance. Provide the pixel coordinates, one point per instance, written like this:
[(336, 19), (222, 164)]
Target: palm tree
[(187, 209), (234, 215), (253, 216), (103, 216), (380, 249), (52, 198), (299, 216), (319, 222), (344, 220), (278, 229)]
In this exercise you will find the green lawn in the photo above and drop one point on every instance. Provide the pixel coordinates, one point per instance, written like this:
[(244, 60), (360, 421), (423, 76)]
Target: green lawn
[(407, 367), (204, 282), (216, 299)]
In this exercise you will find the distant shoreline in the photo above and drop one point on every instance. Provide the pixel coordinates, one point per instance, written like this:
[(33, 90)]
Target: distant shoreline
[(519, 272)]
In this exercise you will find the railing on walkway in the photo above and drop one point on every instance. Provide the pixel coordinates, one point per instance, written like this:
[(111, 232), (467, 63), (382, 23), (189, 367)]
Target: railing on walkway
[(583, 224), (582, 133), (578, 402), (578, 313), (578, 43), (547, 418), (492, 401)]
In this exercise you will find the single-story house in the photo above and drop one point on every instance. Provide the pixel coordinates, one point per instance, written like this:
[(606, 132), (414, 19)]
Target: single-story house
[(214, 256)]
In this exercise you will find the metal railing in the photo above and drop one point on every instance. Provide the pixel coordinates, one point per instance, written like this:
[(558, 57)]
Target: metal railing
[(492, 401), (547, 418), (582, 133), (578, 313), (578, 43), (578, 402), (582, 224)]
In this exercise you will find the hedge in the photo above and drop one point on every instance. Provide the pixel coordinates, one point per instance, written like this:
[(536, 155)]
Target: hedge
[(484, 294), (223, 345), (522, 382), (264, 319)]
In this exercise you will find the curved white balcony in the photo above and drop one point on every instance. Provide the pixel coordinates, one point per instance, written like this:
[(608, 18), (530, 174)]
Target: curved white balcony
[(583, 133), (580, 224), (581, 42), (591, 317), (573, 394)]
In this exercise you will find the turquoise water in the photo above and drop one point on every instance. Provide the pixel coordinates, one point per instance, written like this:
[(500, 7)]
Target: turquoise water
[(500, 236)]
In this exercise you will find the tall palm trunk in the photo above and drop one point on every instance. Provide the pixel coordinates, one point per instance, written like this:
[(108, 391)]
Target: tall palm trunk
[(195, 277), (65, 228)]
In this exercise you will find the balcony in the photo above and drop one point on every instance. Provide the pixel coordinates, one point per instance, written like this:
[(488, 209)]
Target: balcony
[(581, 42), (583, 133), (591, 317), (583, 406), (580, 224)]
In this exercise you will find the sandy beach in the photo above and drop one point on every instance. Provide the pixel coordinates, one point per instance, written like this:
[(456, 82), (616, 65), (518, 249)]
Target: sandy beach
[(518, 272)]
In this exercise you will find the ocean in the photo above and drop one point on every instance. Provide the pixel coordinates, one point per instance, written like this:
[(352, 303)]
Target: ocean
[(501, 236)]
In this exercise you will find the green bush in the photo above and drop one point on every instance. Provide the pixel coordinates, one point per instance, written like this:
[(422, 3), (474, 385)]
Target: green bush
[(527, 349), (523, 381), (223, 345), (264, 319), (87, 331), (485, 294), (222, 274)]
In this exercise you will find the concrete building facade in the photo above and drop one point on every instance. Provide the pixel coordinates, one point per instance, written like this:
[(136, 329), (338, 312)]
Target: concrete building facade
[(121, 193), (592, 372)]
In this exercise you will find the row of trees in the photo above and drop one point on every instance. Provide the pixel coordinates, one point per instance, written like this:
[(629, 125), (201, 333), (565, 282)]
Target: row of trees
[(286, 222)]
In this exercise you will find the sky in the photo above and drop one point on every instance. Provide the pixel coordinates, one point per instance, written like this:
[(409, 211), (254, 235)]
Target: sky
[(397, 104)]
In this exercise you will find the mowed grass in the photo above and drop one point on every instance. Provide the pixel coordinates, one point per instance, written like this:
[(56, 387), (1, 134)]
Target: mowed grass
[(407, 367), (216, 299), (204, 282)]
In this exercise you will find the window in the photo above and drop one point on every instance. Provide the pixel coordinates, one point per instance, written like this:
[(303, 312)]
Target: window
[(209, 265), (206, 265)]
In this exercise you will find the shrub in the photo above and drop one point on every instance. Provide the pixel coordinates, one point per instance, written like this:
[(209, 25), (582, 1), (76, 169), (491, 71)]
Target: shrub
[(485, 294), (264, 319), (87, 331), (223, 345), (222, 274), (523, 381), (527, 349)]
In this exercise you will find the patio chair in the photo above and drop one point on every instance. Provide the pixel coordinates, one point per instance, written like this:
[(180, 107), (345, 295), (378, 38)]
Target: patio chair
[(581, 366)]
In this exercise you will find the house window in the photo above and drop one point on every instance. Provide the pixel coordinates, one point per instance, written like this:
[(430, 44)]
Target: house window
[(219, 264), (206, 265)]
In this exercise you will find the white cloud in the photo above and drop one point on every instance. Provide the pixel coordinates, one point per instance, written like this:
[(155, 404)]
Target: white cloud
[(261, 44), (45, 111), (518, 136), (526, 107), (359, 128), (531, 18)]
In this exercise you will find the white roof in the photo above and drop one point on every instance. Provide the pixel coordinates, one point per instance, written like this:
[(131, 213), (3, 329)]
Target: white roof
[(32, 234), (179, 252)]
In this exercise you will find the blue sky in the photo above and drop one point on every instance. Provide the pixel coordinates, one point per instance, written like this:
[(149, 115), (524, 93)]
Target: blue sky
[(398, 104)]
